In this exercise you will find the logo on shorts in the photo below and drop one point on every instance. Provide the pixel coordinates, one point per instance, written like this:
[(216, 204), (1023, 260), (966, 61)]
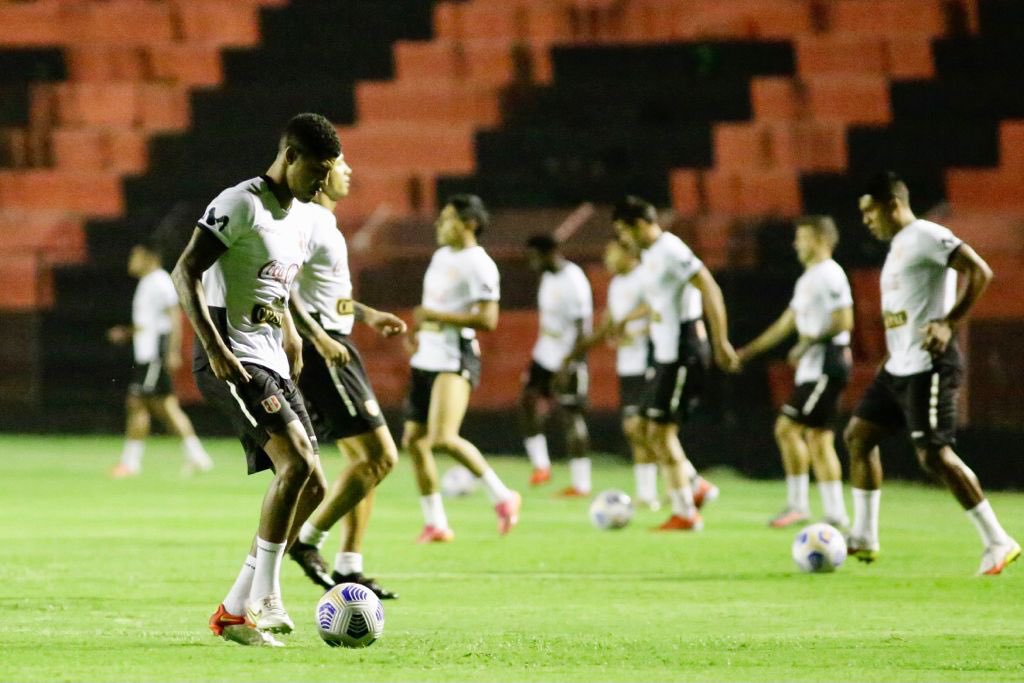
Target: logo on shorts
[(271, 404), (372, 407)]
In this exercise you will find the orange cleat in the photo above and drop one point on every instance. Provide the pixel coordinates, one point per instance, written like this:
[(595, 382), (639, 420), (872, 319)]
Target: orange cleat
[(122, 471), (239, 629), (572, 492), (431, 534), (540, 476), (704, 492), (788, 517), (508, 513), (678, 523)]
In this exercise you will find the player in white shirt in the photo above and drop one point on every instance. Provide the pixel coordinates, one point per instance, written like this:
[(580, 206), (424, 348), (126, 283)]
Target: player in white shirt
[(821, 314), (566, 312), (461, 291), (341, 403), (679, 291), (917, 386), (234, 280), (155, 334)]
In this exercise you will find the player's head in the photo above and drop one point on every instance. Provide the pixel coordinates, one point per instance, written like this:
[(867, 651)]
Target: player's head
[(542, 252), (635, 220), (338, 181), (308, 149), (885, 205), (463, 215), (620, 257), (815, 235), (143, 259)]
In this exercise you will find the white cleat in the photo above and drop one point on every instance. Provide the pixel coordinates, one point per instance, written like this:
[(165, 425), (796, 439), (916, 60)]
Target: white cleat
[(268, 614), (997, 556), (244, 634), (193, 467)]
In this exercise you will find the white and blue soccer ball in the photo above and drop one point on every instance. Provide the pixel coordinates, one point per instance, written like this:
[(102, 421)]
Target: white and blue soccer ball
[(819, 548), (349, 615), (458, 481), (611, 509)]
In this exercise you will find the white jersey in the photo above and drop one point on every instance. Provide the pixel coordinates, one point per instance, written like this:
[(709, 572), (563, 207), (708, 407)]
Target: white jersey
[(266, 246), (154, 298), (917, 287), (819, 292), (455, 281), (625, 294), (668, 265), (325, 282), (563, 299)]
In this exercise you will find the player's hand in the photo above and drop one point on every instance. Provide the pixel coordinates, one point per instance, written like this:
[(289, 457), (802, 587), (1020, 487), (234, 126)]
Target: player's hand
[(937, 334), (726, 358), (388, 324), (797, 352), (119, 334), (172, 362), (332, 351), (227, 367), (292, 344)]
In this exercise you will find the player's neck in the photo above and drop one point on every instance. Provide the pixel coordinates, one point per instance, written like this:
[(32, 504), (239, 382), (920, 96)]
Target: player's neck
[(278, 186), (818, 257), (468, 242)]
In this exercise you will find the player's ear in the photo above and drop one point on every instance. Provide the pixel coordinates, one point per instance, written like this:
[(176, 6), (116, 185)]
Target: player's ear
[(291, 155)]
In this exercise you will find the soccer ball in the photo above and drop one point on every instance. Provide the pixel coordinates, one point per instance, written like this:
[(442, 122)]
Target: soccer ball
[(611, 509), (349, 615), (457, 482), (819, 548)]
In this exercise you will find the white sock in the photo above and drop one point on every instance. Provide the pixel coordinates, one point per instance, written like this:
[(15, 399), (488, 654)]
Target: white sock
[(433, 511), (537, 449), (865, 514), (796, 492), (682, 501), (131, 456), (832, 500), (495, 488), (579, 469), (235, 601), (348, 563), (989, 528), (646, 475), (267, 579), (310, 535), (194, 450), (690, 471)]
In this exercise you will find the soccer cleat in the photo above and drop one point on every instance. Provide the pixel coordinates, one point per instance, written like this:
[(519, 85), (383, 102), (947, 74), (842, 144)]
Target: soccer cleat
[(788, 517), (652, 505), (572, 492), (431, 534), (192, 467), (540, 476), (122, 471), (862, 549), (508, 513), (704, 492), (680, 523), (308, 557), (842, 524), (997, 557), (239, 629), (357, 577), (269, 614)]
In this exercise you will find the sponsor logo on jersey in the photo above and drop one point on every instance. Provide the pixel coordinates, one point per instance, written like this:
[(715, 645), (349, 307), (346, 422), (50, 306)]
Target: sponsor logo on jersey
[(345, 307), (892, 320), (271, 404), (279, 272), (265, 315)]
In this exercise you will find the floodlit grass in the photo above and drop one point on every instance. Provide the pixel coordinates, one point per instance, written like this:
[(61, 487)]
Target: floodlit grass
[(106, 580)]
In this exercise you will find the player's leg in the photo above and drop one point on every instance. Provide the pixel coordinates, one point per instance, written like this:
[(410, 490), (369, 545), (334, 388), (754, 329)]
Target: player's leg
[(536, 391), (664, 438), (862, 437), (789, 436), (416, 443), (135, 432), (645, 466), (572, 401), (169, 412), (821, 444)]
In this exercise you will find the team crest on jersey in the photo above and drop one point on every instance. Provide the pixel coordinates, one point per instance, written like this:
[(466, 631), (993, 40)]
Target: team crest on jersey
[(372, 407), (271, 404)]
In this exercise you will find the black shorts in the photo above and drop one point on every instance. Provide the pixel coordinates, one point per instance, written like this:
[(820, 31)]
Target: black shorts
[(421, 385), (815, 404), (924, 402), (631, 394), (150, 380), (256, 409), (340, 400), (542, 381), (672, 389)]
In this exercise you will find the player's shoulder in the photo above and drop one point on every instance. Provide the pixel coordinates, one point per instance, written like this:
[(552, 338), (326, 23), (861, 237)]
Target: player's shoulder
[(830, 268), (248, 191), (478, 257)]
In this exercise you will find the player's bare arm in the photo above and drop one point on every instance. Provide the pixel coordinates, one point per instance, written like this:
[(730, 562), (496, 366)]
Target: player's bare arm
[(841, 321), (714, 310), (606, 329), (172, 359), (976, 275), (292, 343), (387, 324), (774, 334), (201, 252), (483, 316), (333, 352)]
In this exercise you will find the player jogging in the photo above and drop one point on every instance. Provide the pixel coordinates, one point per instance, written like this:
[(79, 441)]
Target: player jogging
[(460, 296), (917, 386), (821, 313), (234, 280)]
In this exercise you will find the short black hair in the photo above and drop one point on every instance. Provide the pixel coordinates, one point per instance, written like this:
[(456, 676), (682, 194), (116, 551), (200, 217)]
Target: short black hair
[(312, 134), (542, 242), (633, 208), (823, 226), (470, 207), (151, 246), (886, 186)]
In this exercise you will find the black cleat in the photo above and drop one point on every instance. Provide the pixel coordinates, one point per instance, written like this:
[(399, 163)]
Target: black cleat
[(375, 588), (308, 557)]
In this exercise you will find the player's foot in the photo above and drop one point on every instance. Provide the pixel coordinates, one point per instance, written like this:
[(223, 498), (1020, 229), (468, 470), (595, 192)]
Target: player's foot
[(431, 534), (652, 505), (193, 467), (268, 614), (704, 492), (997, 556), (375, 588), (680, 523), (788, 517), (840, 523), (308, 557), (122, 471), (572, 492), (238, 629), (540, 475), (862, 549), (508, 513)]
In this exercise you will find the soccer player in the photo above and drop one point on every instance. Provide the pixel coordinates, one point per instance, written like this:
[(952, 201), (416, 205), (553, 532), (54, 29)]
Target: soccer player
[(234, 279), (821, 313), (460, 296), (917, 386), (566, 309), (155, 334), (339, 398), (679, 292)]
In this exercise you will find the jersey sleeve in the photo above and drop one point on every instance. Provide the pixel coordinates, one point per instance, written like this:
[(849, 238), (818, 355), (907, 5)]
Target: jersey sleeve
[(837, 287), (484, 280), (582, 300), (167, 294), (685, 262), (937, 243), (229, 216)]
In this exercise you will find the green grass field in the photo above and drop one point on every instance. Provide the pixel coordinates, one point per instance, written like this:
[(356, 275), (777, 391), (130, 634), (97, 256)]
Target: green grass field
[(106, 580)]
